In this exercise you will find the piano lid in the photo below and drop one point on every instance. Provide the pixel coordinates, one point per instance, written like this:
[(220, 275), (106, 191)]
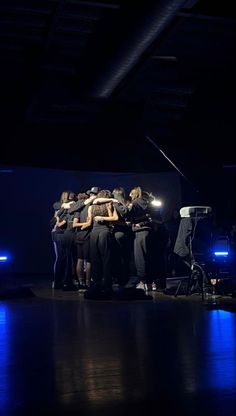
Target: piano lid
[(199, 211)]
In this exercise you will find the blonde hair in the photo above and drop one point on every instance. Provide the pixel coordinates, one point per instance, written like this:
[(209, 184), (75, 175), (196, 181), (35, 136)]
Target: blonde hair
[(64, 196), (136, 193)]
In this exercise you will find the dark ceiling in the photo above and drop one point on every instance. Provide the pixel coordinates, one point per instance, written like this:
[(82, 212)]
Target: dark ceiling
[(84, 84)]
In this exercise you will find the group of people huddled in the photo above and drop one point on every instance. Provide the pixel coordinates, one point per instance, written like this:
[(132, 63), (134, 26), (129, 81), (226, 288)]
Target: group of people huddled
[(105, 243)]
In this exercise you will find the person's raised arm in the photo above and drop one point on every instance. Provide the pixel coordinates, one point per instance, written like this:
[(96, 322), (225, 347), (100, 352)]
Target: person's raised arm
[(90, 200), (67, 205), (103, 200), (79, 205)]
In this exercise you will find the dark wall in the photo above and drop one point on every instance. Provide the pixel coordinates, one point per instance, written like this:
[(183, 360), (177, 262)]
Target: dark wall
[(26, 206)]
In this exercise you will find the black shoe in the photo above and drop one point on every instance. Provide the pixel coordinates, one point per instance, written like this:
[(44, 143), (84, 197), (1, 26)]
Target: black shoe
[(82, 288), (75, 282)]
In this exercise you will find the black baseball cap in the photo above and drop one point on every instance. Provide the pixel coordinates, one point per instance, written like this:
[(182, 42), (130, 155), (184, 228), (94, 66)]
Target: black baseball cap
[(93, 191)]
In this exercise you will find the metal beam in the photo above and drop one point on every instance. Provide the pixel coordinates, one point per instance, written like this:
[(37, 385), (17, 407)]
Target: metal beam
[(157, 18)]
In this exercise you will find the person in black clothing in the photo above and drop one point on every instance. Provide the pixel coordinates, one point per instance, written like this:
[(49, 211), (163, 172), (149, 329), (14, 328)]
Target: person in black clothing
[(82, 241), (69, 280), (101, 240), (123, 238), (65, 258), (59, 226), (142, 228), (67, 199), (122, 242)]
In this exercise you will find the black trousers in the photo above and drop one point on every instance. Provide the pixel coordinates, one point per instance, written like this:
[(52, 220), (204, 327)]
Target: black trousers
[(142, 241), (121, 256), (101, 256), (71, 256), (60, 260)]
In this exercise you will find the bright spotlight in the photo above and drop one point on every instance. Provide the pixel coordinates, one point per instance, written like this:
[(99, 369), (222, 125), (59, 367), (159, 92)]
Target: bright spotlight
[(221, 253), (5, 257), (156, 203)]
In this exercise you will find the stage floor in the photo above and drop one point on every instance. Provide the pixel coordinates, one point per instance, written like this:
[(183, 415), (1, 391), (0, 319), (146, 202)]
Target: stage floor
[(61, 354)]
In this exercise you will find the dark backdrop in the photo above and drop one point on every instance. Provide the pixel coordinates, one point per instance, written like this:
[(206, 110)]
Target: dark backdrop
[(26, 206)]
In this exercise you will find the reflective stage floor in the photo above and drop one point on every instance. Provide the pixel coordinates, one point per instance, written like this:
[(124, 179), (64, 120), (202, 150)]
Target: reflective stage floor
[(63, 355)]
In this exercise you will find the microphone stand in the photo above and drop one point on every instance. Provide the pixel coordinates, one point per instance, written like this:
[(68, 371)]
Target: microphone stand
[(167, 158)]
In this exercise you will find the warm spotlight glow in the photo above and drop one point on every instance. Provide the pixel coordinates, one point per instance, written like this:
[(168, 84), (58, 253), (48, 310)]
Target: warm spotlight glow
[(156, 203)]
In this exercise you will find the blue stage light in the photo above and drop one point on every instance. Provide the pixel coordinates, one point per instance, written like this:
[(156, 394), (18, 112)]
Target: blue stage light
[(221, 247), (5, 258)]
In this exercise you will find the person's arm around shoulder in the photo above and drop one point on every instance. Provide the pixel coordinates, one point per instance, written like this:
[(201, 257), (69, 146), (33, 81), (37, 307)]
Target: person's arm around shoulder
[(59, 223), (112, 214), (102, 200), (78, 224), (79, 205), (88, 223)]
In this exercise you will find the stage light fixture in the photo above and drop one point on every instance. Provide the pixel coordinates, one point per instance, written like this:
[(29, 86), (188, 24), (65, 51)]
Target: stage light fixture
[(221, 247), (221, 253), (5, 257), (156, 203)]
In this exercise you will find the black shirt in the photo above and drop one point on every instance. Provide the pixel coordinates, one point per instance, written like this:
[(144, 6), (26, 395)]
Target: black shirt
[(82, 235)]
